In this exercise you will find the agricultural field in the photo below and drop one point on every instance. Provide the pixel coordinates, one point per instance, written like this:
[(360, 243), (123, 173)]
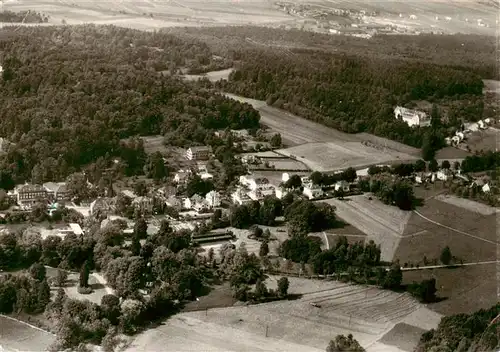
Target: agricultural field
[(19, 336), (483, 140), (468, 204), (152, 14), (471, 236), (295, 325), (333, 156), (294, 130), (464, 289), (382, 223), (282, 164)]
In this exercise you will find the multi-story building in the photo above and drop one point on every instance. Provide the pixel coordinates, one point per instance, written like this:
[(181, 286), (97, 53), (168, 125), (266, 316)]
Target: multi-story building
[(412, 117), (198, 153), (56, 191), (28, 195)]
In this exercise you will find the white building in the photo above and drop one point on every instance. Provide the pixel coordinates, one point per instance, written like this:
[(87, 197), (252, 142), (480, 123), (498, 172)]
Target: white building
[(342, 185), (240, 197), (254, 183), (262, 192), (444, 175), (280, 192), (213, 199), (198, 153), (486, 188), (196, 202), (481, 124), (182, 176), (313, 192), (412, 117)]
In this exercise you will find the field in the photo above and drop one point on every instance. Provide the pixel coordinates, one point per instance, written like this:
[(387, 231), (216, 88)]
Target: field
[(154, 14), (483, 139), (466, 289), (382, 223), (472, 239), (213, 76), (291, 326), (18, 336), (284, 163), (333, 156), (468, 204)]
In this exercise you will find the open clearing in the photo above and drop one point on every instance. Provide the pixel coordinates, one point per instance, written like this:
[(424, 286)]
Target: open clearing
[(336, 156), (483, 139), (468, 204), (212, 76), (425, 238), (382, 223), (466, 289), (295, 325), (18, 336)]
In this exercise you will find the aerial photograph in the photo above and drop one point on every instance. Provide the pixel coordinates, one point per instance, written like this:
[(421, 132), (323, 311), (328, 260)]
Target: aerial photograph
[(249, 176)]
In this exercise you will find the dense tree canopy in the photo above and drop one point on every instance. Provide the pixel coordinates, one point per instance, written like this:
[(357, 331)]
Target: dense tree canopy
[(70, 94)]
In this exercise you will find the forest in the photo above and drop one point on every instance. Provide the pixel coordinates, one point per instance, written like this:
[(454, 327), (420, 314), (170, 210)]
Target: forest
[(476, 332), (71, 95)]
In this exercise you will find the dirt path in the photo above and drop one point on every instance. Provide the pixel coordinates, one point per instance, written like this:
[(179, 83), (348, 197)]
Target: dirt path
[(103, 282), (451, 266), (455, 230)]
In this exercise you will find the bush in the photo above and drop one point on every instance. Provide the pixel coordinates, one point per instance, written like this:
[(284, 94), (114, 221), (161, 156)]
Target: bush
[(84, 290)]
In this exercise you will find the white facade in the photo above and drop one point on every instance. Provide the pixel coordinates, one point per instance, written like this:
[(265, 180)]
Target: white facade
[(198, 153), (342, 185), (240, 197), (486, 188), (280, 192), (443, 175), (412, 117), (213, 199), (312, 192), (182, 176), (254, 183)]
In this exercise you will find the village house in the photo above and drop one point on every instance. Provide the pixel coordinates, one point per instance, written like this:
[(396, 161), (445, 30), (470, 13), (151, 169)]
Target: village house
[(280, 192), (254, 183), (102, 206), (213, 199), (444, 175), (240, 197), (128, 193), (182, 176), (28, 195), (412, 117), (143, 204), (56, 191), (174, 202), (196, 203), (313, 192), (342, 185), (261, 192), (486, 188), (198, 153)]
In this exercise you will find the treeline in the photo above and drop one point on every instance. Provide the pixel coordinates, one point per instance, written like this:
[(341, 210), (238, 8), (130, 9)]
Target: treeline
[(352, 94), (477, 163), (476, 332), (473, 52), (69, 95)]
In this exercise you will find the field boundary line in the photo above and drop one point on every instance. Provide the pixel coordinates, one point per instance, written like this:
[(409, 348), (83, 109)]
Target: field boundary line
[(452, 266), (455, 230), (326, 241), (28, 324)]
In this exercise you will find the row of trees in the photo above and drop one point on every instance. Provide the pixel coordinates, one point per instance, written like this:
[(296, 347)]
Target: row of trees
[(389, 189)]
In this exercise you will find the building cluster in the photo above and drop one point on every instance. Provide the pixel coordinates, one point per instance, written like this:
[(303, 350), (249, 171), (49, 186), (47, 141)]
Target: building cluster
[(27, 195), (468, 128)]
